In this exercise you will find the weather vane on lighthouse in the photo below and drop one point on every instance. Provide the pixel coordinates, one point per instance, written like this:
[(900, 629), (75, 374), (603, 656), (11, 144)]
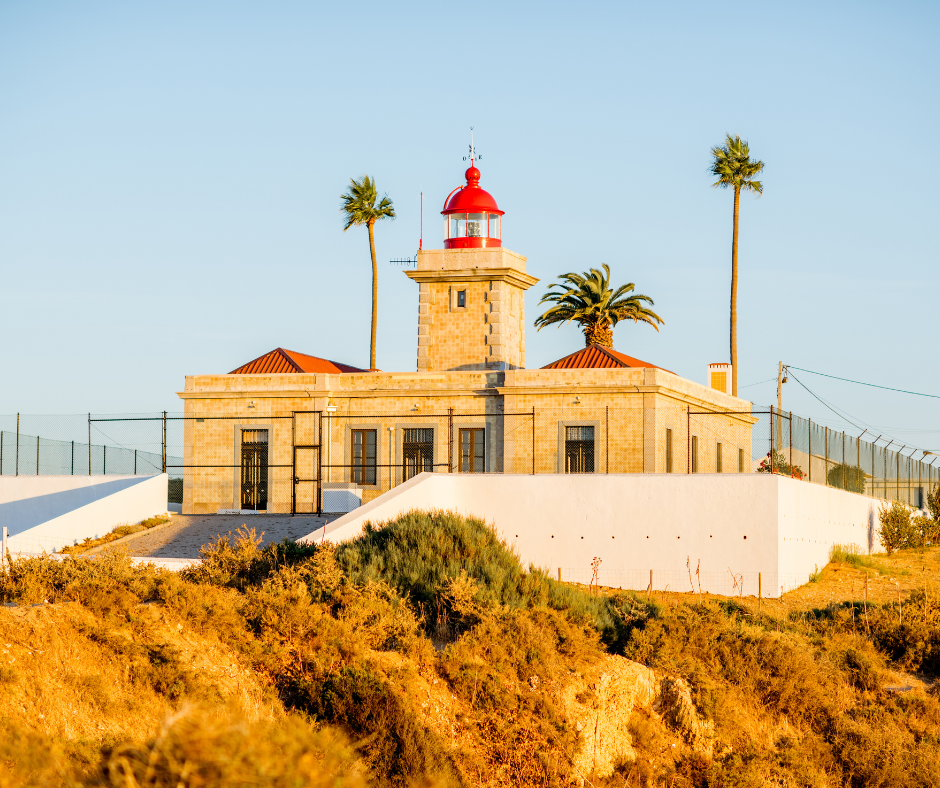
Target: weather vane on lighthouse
[(472, 155)]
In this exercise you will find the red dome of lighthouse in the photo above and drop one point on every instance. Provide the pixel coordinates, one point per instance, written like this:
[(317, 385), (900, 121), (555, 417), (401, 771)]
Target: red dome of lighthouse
[(472, 217)]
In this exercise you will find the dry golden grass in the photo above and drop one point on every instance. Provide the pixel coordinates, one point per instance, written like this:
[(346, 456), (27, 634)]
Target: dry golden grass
[(448, 671), (118, 533)]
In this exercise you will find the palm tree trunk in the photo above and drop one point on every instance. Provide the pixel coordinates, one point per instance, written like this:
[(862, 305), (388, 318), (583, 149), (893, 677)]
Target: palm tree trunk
[(734, 297), (375, 294)]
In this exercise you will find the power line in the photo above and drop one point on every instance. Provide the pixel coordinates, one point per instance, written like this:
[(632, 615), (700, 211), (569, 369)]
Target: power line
[(756, 384), (840, 415), (860, 383)]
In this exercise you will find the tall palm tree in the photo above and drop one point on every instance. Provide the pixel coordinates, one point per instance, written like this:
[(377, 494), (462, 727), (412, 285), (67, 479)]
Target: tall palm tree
[(735, 169), (589, 301), (361, 205)]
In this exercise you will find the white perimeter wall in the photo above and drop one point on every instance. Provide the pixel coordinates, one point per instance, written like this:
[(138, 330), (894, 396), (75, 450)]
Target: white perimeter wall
[(737, 530), (49, 512)]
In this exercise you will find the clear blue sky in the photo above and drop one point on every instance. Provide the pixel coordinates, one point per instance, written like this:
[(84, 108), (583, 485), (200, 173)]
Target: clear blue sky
[(170, 176)]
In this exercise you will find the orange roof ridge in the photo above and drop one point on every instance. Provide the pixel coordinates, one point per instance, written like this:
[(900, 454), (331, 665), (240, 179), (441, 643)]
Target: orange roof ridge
[(281, 361), (599, 357)]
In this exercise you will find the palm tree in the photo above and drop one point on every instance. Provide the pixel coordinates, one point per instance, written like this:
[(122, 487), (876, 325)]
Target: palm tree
[(589, 301), (735, 169), (360, 207)]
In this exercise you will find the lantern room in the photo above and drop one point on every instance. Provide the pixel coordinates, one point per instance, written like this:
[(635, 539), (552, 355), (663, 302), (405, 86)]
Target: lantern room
[(471, 217)]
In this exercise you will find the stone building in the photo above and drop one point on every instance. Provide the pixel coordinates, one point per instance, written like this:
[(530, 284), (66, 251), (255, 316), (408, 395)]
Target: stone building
[(289, 432)]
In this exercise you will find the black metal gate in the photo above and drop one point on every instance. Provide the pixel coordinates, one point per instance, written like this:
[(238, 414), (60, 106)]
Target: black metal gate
[(254, 475), (307, 463)]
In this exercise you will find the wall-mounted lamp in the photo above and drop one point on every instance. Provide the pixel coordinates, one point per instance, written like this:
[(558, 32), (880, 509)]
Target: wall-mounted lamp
[(577, 400), (415, 407), (251, 405)]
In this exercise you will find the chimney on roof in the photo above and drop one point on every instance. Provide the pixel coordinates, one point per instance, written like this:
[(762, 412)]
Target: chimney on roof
[(719, 377)]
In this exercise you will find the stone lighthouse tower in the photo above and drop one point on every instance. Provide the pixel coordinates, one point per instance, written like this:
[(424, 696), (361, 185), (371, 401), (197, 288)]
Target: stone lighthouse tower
[(471, 307)]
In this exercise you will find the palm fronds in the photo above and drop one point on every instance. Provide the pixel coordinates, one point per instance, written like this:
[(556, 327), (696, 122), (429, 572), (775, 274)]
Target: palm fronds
[(590, 301), (361, 204), (733, 166)]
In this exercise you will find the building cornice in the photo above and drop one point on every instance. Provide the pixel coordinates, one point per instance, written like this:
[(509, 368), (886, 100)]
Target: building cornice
[(511, 275)]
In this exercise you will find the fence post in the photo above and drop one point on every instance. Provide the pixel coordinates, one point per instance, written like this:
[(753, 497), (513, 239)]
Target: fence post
[(164, 441), (843, 459), (790, 419), (607, 439), (760, 591), (1, 452), (772, 439), (89, 444), (533, 440), (688, 450), (809, 434), (135, 462), (37, 455), (450, 440), (17, 444), (73, 458), (104, 459), (4, 547), (320, 464)]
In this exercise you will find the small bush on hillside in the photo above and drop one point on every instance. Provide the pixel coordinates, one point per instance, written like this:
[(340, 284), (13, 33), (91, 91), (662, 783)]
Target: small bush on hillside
[(897, 532), (847, 477), (196, 749), (933, 503), (420, 554)]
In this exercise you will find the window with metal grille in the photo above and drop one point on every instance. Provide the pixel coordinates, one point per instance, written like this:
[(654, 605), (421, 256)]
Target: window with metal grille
[(717, 458), (668, 451), (579, 450), (417, 452), (472, 450), (363, 456), (695, 454), (254, 470)]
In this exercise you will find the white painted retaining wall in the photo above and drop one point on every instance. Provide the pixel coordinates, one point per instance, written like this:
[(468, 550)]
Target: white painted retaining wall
[(49, 512), (737, 530)]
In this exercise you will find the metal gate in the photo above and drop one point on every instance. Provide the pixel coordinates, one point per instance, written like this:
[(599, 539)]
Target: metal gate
[(307, 463)]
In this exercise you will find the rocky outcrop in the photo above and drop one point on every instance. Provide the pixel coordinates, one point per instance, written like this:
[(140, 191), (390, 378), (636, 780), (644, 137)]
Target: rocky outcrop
[(678, 711), (599, 703)]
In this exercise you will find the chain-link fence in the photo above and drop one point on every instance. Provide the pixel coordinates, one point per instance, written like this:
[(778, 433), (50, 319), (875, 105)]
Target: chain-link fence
[(790, 445), (333, 461), (82, 445)]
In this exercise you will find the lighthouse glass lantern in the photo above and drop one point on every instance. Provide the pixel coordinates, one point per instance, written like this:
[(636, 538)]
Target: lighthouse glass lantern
[(472, 220)]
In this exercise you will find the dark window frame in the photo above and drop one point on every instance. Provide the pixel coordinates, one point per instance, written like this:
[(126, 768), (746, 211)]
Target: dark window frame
[(417, 451), (474, 450), (363, 466), (579, 449)]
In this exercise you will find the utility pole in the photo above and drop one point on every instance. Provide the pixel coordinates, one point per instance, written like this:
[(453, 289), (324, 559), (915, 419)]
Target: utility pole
[(781, 379)]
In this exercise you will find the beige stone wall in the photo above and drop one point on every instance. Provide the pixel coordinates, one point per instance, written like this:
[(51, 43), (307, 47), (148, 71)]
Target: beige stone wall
[(630, 409), (488, 332)]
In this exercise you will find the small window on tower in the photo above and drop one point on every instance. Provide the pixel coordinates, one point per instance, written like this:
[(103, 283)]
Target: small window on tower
[(461, 299)]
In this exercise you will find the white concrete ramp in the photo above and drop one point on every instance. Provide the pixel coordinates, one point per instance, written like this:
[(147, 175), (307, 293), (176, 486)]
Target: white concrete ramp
[(744, 533), (45, 513)]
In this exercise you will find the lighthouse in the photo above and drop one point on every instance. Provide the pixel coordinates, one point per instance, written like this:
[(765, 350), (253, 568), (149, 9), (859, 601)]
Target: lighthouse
[(471, 303)]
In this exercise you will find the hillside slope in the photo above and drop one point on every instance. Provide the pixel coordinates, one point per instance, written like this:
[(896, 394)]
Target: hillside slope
[(423, 653)]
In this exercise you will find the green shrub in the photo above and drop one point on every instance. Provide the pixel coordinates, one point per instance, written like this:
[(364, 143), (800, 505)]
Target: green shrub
[(897, 532), (847, 477), (421, 553)]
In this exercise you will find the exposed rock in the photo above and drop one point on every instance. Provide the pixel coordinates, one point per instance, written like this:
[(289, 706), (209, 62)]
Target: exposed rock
[(599, 703), (678, 711)]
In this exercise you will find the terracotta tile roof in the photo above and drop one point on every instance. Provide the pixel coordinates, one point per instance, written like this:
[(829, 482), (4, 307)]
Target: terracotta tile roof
[(280, 361), (599, 357)]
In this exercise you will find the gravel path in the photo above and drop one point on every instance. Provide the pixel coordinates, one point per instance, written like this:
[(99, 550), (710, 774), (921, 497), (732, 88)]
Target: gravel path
[(188, 533)]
